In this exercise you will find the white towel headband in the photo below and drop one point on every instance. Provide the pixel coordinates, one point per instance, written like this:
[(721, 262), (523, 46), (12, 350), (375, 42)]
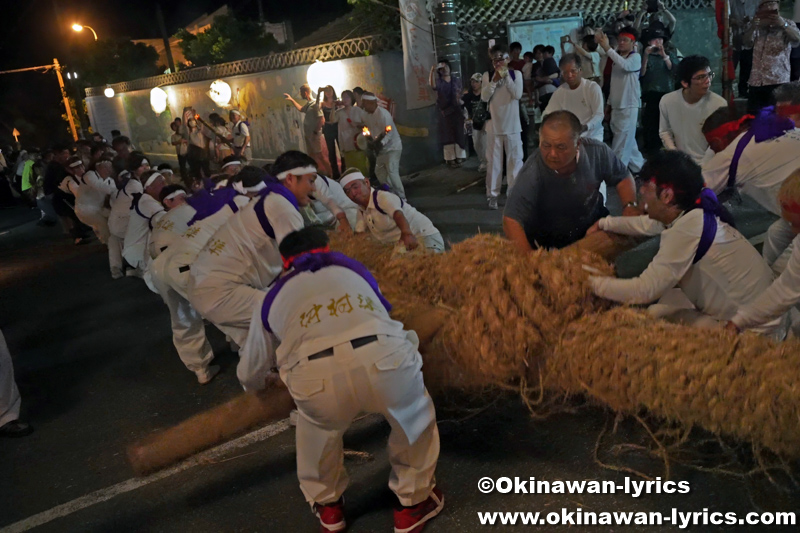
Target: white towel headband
[(231, 163), (175, 195), (152, 178), (351, 178), (297, 171)]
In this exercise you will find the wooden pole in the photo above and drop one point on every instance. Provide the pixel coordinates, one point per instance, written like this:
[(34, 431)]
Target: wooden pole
[(66, 100)]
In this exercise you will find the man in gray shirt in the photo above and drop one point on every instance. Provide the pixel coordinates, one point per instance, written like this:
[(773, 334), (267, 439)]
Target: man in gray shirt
[(557, 194)]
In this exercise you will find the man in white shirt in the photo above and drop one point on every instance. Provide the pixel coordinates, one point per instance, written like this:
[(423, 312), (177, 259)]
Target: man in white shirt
[(387, 160), (502, 89), (624, 96), (242, 259), (389, 218), (761, 170), (784, 293), (579, 96), (341, 354), (332, 206), (715, 267), (188, 330), (145, 212), (684, 111), (240, 135)]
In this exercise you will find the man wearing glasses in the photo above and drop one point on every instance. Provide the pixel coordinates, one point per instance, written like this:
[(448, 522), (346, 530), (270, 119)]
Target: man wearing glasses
[(684, 111), (502, 89)]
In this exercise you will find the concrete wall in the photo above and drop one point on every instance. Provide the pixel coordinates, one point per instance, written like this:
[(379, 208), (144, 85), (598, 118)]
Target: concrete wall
[(275, 125)]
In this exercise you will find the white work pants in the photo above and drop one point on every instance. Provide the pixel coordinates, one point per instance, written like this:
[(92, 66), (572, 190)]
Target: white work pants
[(387, 169), (229, 305), (479, 142), (97, 219), (495, 145), (623, 126), (453, 152), (188, 330), (9, 394), (330, 392), (115, 245)]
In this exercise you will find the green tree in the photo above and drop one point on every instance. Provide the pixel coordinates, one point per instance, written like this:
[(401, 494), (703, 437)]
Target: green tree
[(228, 39), (113, 61)]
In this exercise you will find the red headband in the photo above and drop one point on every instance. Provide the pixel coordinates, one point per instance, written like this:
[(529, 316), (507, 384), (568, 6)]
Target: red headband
[(287, 261), (722, 131), (787, 110), (792, 207), (628, 35)]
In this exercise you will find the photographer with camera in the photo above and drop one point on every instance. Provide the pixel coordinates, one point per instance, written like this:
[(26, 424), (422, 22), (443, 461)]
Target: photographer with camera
[(772, 38), (657, 77)]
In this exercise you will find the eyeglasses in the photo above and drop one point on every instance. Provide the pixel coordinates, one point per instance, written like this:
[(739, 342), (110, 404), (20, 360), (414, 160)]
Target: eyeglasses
[(704, 77)]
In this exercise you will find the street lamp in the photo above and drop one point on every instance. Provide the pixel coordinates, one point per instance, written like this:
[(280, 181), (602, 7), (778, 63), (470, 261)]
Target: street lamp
[(78, 27)]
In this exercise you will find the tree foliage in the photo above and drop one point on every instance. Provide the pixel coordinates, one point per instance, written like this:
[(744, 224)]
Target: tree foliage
[(385, 14), (113, 61), (228, 39)]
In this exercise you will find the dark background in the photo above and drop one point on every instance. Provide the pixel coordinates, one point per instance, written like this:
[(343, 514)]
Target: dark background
[(33, 32)]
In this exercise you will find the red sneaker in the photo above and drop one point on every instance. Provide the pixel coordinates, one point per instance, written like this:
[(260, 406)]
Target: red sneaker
[(331, 516), (412, 519)]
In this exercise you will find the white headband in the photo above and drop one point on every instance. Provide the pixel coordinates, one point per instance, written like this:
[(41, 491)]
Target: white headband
[(167, 170), (235, 112), (76, 164), (297, 171), (351, 178), (231, 163), (369, 97), (152, 178), (144, 162), (175, 195), (241, 189)]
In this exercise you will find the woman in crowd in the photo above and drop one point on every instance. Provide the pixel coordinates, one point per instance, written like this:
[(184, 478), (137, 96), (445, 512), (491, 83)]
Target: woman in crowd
[(449, 114), (219, 148), (331, 128), (197, 152), (350, 120)]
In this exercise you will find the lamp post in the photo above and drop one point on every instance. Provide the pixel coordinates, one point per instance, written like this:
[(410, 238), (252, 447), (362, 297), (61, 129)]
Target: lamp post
[(79, 27)]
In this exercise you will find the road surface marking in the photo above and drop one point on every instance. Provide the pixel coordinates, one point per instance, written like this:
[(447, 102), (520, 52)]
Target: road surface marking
[(132, 484)]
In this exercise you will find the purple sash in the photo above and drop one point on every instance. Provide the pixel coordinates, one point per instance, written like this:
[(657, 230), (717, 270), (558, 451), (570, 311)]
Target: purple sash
[(207, 203), (711, 210), (375, 201), (313, 263)]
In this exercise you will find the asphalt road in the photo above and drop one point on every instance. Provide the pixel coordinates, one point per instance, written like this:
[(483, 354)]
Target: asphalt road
[(97, 371)]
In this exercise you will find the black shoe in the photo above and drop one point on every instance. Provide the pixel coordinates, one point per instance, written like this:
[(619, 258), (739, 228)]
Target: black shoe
[(15, 429)]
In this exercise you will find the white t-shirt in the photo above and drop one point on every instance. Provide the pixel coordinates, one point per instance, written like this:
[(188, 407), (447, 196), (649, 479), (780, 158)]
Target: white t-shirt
[(763, 168), (241, 251), (377, 122), (595, 59), (144, 215), (730, 274), (240, 133), (585, 102), (348, 120), (684, 123), (384, 228), (625, 91)]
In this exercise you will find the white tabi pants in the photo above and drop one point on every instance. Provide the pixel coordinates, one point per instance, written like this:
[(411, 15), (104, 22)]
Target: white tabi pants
[(495, 144), (9, 394), (387, 169), (97, 219), (623, 126), (479, 142), (453, 152), (229, 305), (188, 330), (115, 245), (778, 246), (382, 377)]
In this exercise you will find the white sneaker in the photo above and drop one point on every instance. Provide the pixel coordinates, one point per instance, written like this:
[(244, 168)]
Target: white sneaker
[(134, 273), (482, 169), (207, 374), (293, 415), (116, 273), (493, 204)]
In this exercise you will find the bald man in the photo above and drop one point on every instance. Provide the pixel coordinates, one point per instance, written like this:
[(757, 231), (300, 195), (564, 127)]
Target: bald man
[(557, 195)]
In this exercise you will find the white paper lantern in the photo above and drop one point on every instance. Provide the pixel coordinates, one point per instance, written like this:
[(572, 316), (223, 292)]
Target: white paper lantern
[(220, 93), (158, 100), (109, 92), (329, 73)]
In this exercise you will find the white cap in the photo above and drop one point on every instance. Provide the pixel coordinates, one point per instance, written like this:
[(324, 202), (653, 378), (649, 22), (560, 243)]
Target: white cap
[(353, 176), (236, 112)]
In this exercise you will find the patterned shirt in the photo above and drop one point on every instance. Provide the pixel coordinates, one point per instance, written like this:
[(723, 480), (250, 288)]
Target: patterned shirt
[(771, 49)]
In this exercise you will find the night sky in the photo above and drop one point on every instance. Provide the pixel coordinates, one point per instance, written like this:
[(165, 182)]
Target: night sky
[(36, 31)]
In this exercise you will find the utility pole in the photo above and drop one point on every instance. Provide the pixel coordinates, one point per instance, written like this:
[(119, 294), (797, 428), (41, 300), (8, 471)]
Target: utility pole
[(445, 34), (165, 37), (260, 12), (57, 67)]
